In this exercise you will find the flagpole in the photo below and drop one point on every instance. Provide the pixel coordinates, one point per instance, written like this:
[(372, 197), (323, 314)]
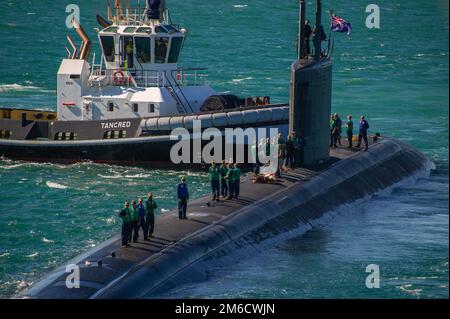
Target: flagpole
[(329, 32)]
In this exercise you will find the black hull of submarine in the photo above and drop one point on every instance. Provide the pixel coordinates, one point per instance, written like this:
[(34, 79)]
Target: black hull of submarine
[(360, 175)]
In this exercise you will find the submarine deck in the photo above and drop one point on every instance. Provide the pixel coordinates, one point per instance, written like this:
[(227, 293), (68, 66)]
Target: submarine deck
[(168, 230)]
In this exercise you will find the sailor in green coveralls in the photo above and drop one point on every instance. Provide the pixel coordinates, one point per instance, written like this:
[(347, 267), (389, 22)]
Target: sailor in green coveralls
[(214, 176), (237, 180), (230, 180), (134, 232), (126, 224), (223, 181)]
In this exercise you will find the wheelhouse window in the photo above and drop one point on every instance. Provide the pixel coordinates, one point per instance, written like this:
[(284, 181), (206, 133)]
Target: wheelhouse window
[(170, 28), (143, 49), (110, 107), (160, 29), (151, 108), (108, 48), (111, 29), (135, 107), (129, 30), (175, 49), (161, 46), (144, 30)]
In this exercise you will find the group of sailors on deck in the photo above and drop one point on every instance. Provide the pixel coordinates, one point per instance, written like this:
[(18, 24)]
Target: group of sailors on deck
[(336, 131), (139, 215), (225, 179), (289, 151)]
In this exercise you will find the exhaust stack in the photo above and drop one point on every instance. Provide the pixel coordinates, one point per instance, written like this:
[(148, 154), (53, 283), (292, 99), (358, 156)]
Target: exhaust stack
[(86, 44)]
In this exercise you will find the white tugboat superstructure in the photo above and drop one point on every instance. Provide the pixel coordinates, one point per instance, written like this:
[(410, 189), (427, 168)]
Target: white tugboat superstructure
[(138, 75)]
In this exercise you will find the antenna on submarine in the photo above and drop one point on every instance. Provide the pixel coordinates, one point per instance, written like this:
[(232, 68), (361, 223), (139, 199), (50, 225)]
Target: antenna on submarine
[(301, 31), (318, 33), (301, 47)]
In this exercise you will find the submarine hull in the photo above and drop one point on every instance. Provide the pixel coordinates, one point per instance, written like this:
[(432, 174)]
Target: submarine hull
[(223, 233)]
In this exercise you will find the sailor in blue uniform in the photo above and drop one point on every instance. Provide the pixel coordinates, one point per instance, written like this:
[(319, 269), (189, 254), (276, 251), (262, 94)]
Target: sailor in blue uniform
[(183, 197), (363, 127)]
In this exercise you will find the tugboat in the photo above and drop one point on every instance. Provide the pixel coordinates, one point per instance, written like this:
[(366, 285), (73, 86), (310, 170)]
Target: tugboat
[(122, 108)]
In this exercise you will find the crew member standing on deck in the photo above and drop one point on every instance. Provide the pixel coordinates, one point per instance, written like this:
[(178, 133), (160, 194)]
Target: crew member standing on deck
[(126, 224), (299, 143), (150, 206), (134, 222), (223, 181), (334, 129), (230, 181), (281, 151), (290, 151), (237, 180), (183, 197), (142, 212), (214, 176), (363, 127), (349, 129), (339, 125)]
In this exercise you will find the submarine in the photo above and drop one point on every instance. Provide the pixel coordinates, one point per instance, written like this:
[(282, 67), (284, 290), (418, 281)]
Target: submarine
[(182, 251), (130, 98)]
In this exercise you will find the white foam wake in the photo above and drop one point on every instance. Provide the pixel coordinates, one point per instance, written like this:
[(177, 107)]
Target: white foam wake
[(55, 185), (5, 88)]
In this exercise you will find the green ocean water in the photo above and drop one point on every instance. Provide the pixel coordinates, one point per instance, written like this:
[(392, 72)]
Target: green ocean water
[(396, 75)]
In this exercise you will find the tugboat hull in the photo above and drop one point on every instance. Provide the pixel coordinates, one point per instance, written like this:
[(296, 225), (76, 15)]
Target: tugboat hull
[(153, 151)]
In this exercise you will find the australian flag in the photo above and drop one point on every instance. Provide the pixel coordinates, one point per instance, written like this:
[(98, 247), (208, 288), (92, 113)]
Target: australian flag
[(340, 25)]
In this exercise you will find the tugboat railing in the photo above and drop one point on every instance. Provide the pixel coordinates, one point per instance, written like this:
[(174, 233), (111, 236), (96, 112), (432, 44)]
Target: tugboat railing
[(147, 78), (137, 16)]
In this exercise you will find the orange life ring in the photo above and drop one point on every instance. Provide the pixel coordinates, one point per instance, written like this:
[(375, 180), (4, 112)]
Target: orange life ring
[(119, 79)]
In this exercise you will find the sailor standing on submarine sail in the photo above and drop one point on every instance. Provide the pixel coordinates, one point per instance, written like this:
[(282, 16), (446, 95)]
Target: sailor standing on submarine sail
[(155, 10)]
